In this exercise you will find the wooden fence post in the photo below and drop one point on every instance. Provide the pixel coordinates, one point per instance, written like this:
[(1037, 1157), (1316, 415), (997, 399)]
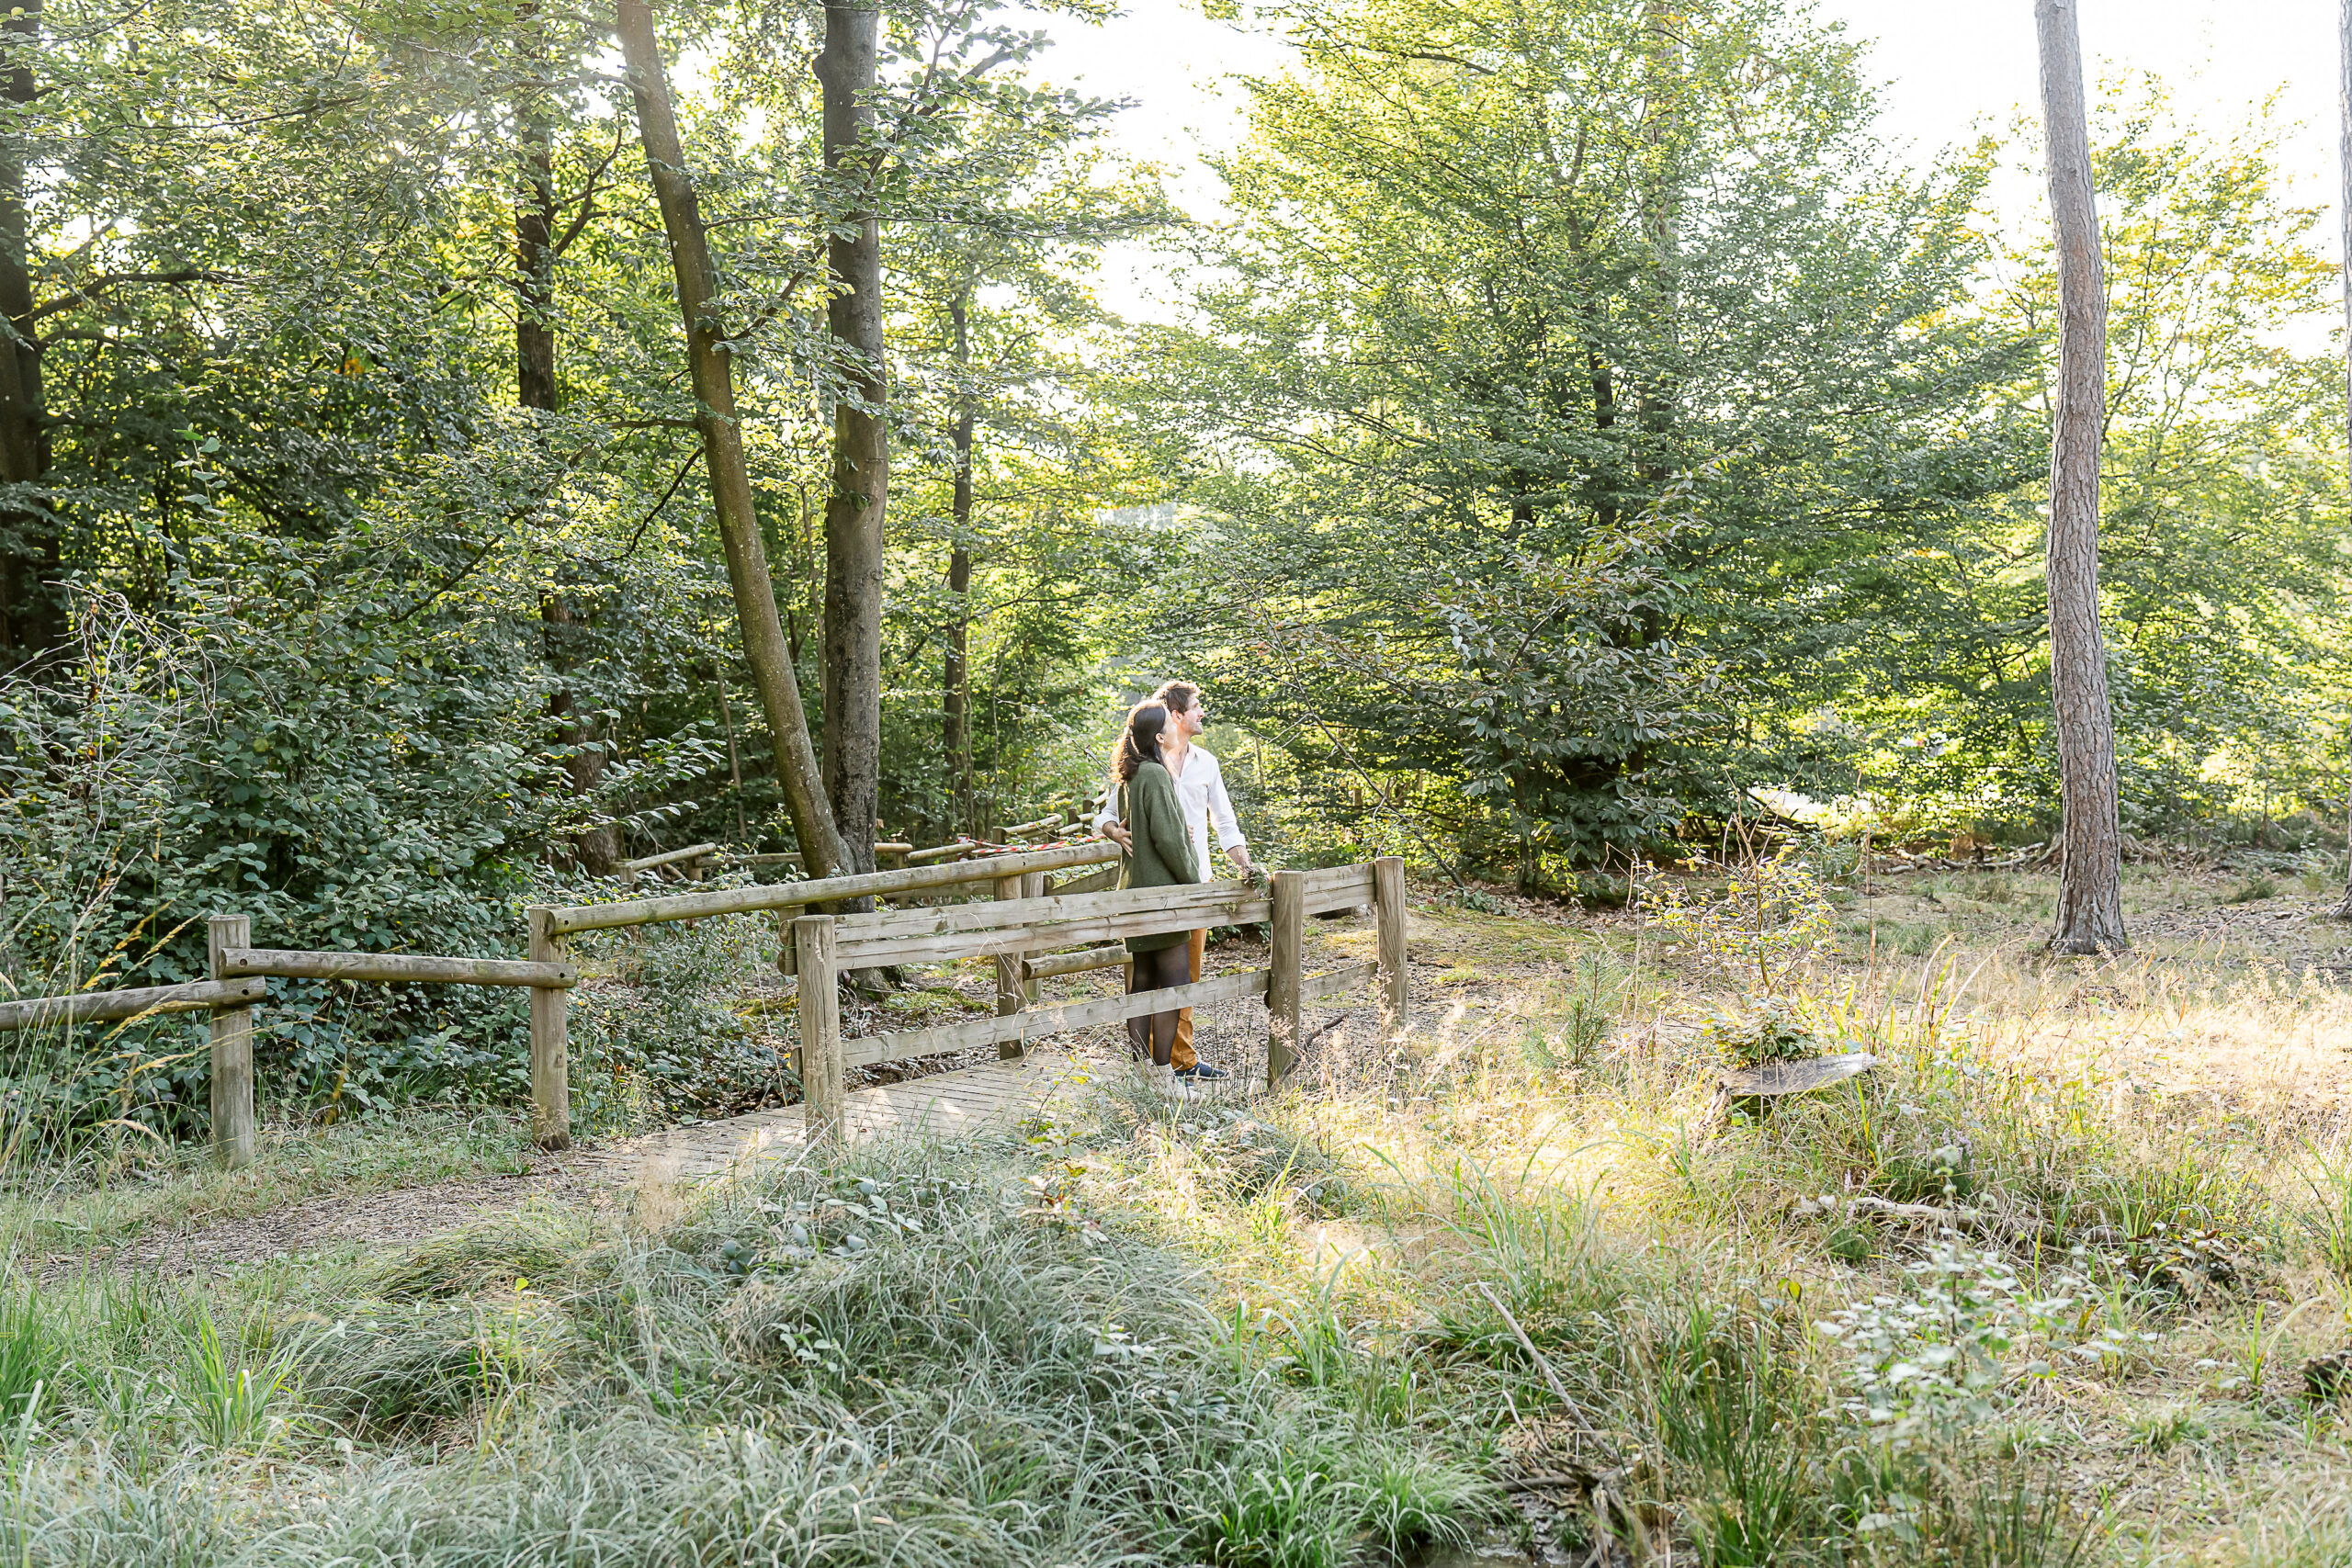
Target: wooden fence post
[(1009, 991), (1285, 1012), (232, 1051), (550, 1042), (821, 1027), (1388, 915), (1032, 886)]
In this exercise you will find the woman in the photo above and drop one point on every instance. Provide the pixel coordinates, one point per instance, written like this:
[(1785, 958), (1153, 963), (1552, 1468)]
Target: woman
[(1160, 854)]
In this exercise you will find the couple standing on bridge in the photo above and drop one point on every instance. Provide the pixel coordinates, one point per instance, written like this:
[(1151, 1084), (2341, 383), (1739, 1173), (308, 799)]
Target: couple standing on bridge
[(1163, 792)]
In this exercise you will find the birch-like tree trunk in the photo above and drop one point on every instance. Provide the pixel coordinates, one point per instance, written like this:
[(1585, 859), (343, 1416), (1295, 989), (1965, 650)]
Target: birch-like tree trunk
[(955, 701), (861, 476), (823, 854), (2090, 890), (2343, 911)]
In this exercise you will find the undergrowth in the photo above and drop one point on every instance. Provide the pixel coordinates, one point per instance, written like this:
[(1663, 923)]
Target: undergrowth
[(1521, 1282)]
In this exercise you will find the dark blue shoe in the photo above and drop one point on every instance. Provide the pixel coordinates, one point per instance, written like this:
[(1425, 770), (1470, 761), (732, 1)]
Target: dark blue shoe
[(1200, 1072)]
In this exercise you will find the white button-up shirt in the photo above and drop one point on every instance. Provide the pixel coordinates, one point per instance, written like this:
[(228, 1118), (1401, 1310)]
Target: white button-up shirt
[(1199, 789)]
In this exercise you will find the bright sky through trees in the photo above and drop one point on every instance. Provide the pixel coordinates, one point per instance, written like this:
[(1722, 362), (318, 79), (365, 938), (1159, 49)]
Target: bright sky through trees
[(1953, 68)]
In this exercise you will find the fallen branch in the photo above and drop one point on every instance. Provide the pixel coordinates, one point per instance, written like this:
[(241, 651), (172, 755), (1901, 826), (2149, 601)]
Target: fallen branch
[(1559, 1391)]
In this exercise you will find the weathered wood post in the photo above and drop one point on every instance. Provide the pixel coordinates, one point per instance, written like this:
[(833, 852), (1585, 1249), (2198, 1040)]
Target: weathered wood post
[(1033, 886), (232, 1049), (1009, 991), (1285, 1013), (550, 1042), (821, 1027), (1388, 915)]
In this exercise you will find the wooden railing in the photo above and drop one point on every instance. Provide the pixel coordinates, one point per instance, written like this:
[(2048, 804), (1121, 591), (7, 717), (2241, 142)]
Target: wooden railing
[(825, 946), (1035, 929)]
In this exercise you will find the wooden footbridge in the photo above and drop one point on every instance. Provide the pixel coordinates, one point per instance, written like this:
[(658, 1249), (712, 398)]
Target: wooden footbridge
[(1037, 927)]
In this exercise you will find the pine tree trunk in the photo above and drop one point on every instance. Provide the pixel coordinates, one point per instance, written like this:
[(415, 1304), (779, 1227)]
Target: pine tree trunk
[(2090, 891), (32, 613), (861, 478), (955, 733), (821, 849)]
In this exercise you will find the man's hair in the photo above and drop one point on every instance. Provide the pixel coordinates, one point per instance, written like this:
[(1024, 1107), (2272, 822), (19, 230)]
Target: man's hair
[(1176, 696)]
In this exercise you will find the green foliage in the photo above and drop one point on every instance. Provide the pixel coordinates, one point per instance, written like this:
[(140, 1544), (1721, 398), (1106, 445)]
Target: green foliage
[(1506, 523), (342, 786)]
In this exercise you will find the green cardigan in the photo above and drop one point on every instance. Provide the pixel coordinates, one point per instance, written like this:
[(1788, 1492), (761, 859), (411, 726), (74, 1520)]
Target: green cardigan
[(1163, 855)]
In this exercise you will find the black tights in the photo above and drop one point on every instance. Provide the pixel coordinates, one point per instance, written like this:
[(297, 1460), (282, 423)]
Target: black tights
[(1154, 1035)]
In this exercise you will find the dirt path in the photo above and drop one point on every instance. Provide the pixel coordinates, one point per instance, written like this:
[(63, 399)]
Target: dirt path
[(393, 1218)]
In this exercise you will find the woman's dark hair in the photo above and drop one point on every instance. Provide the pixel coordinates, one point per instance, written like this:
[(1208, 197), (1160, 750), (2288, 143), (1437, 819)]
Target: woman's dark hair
[(1139, 742)]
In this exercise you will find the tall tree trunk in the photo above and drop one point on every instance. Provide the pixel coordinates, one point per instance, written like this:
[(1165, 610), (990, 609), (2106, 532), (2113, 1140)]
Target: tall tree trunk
[(1663, 91), (860, 478), (2090, 887), (956, 671), (32, 613), (2343, 911), (822, 851), (598, 848)]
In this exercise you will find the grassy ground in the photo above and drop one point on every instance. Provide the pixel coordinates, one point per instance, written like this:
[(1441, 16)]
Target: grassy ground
[(2040, 1289)]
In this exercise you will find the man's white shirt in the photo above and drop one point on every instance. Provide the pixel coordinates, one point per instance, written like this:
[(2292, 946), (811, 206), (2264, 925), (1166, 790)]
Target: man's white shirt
[(1199, 789)]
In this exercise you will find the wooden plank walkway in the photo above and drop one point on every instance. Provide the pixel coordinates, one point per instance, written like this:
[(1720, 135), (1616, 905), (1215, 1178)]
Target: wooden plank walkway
[(993, 1096)]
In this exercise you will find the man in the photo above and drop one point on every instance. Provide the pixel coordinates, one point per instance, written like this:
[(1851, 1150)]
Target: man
[(1199, 789)]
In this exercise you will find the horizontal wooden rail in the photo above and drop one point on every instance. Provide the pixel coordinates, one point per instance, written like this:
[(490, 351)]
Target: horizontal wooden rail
[(295, 965), (876, 1048), (873, 1049), (825, 890), (1045, 968), (672, 857), (102, 1006), (1335, 888), (1103, 880), (935, 934), (938, 852), (1338, 982), (1024, 829)]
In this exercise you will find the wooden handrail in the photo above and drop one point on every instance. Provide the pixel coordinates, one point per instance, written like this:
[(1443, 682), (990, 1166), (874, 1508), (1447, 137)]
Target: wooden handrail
[(934, 933), (670, 857), (873, 1049), (826, 890), (103, 1007), (1058, 963), (395, 966)]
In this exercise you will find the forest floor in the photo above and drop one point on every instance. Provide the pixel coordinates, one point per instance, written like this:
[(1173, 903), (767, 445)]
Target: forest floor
[(2041, 1288)]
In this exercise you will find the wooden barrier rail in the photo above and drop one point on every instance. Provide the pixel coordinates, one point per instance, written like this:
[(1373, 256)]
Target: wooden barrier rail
[(572, 918), (629, 868), (395, 966), (1023, 921), (105, 1007)]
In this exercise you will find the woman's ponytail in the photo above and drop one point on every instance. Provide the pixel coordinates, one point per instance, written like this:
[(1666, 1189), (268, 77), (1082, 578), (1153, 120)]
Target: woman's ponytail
[(1138, 743)]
